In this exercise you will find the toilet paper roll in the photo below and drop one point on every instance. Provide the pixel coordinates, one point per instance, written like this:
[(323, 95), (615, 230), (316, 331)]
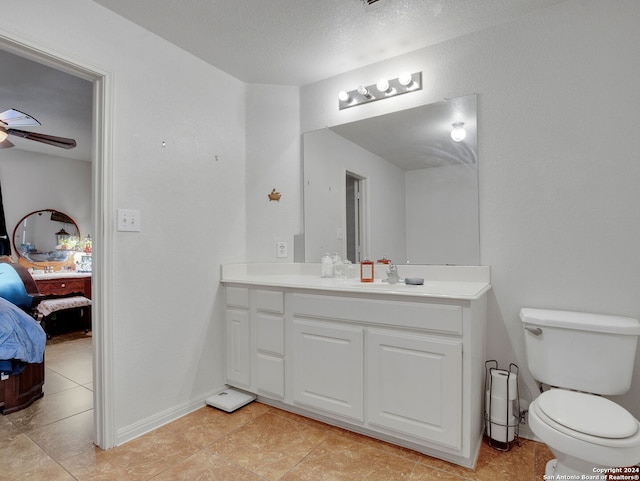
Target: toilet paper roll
[(501, 432), (498, 409), (504, 384)]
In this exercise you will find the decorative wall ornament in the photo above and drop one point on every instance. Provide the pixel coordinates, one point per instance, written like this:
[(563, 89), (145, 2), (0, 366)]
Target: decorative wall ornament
[(274, 195)]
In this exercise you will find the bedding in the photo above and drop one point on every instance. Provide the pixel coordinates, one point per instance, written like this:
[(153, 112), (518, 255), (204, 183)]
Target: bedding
[(21, 337), (11, 286)]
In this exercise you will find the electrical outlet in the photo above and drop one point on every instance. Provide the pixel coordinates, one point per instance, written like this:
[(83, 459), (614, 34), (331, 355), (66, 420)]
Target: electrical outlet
[(282, 250), (128, 220)]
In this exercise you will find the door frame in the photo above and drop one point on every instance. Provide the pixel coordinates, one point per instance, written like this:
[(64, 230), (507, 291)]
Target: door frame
[(102, 205)]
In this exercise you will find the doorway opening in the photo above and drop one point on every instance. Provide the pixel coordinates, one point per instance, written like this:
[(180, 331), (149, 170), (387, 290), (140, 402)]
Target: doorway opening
[(356, 239), (103, 431)]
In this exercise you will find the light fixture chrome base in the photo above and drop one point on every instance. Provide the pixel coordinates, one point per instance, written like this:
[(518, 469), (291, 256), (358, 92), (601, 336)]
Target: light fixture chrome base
[(370, 93)]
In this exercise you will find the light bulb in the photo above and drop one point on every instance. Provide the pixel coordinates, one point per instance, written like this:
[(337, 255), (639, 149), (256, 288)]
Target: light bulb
[(364, 91), (3, 134), (343, 96), (405, 79), (383, 85), (458, 133)]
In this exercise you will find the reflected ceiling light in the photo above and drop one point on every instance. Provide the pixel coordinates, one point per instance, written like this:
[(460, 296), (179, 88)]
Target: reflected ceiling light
[(458, 133), (383, 89)]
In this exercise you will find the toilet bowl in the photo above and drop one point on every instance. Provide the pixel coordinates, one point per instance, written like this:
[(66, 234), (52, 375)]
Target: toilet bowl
[(584, 432), (573, 351)]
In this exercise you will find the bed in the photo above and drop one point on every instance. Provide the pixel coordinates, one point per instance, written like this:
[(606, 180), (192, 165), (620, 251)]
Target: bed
[(22, 340)]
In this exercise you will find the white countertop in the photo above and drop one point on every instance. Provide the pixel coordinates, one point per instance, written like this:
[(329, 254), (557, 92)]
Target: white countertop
[(45, 276), (452, 282)]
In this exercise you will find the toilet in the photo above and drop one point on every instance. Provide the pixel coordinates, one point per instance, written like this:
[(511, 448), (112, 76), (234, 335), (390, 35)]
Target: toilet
[(582, 357)]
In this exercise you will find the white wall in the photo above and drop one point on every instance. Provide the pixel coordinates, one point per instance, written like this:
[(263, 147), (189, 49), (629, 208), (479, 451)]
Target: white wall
[(327, 158), (442, 218), (559, 161), (166, 306), (273, 145), (32, 181)]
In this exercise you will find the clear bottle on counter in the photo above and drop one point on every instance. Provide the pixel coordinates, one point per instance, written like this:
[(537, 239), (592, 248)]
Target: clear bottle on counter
[(326, 264), (338, 266)]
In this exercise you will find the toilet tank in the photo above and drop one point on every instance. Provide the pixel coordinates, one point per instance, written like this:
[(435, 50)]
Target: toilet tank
[(576, 350)]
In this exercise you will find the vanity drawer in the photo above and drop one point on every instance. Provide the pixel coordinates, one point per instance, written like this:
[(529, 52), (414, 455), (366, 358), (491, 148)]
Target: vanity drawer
[(62, 287), (444, 318), (237, 297), (272, 301)]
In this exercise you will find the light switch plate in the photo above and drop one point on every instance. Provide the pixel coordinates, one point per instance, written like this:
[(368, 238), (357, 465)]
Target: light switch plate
[(128, 220)]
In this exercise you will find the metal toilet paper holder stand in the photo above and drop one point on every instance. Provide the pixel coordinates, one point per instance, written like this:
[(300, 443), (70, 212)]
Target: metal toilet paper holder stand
[(503, 431)]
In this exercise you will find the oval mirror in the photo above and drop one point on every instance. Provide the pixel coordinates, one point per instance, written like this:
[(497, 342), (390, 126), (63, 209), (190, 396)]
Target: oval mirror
[(46, 237)]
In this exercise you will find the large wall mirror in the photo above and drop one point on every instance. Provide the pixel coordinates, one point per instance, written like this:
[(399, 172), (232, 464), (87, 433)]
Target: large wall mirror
[(46, 238), (397, 185)]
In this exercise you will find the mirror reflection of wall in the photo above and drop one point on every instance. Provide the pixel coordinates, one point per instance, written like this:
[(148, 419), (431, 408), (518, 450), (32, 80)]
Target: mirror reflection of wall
[(419, 199)]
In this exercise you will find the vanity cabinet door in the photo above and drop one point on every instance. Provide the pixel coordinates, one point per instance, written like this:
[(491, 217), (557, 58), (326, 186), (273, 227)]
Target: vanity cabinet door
[(328, 367), (238, 354), (414, 385)]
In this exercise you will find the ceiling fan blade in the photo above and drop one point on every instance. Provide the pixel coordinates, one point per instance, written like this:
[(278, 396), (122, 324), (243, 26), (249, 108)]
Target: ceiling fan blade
[(5, 144), (45, 139), (15, 118)]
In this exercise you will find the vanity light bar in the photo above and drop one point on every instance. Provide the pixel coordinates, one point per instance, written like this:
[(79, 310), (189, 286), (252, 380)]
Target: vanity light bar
[(383, 89)]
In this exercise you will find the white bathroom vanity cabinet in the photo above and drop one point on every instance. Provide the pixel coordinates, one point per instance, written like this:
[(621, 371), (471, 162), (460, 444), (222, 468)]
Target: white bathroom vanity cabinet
[(401, 363)]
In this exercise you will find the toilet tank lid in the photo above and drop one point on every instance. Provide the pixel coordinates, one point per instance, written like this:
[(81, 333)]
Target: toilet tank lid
[(583, 321)]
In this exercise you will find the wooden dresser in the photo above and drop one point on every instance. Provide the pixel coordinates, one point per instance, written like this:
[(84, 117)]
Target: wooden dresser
[(63, 286)]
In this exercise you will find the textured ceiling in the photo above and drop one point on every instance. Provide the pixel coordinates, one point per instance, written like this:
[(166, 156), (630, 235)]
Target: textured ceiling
[(287, 42), (296, 42)]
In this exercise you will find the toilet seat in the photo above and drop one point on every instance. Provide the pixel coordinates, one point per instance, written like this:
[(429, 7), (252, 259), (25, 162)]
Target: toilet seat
[(598, 451), (587, 414)]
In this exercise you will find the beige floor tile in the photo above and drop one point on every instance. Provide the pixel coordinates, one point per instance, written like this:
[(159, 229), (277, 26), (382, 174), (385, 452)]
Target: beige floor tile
[(137, 460), (341, 459), (57, 406), (208, 424), (8, 430), (515, 464), (270, 445), (450, 468), (71, 359), (426, 473), (206, 466), (22, 459), (55, 382), (388, 447), (66, 439)]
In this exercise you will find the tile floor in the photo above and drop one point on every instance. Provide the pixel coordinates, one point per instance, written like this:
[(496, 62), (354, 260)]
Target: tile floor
[(52, 440)]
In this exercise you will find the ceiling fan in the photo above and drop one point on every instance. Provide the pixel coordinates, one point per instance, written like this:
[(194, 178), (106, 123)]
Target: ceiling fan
[(14, 118)]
